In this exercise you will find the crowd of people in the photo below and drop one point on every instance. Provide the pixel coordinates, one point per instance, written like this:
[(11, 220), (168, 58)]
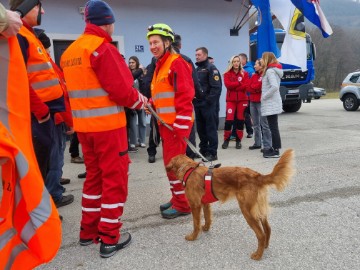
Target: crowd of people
[(107, 116), (244, 87)]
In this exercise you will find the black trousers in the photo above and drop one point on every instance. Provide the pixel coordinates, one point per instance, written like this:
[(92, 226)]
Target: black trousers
[(248, 122), (206, 125), (274, 128), (192, 139), (154, 137), (74, 146)]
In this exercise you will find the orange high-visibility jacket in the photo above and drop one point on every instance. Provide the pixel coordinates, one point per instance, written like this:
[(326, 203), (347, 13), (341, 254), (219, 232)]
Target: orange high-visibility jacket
[(30, 228), (42, 76), (163, 93), (91, 107)]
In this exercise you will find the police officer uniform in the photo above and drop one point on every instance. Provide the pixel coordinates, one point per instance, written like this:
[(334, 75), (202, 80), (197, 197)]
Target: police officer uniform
[(206, 108)]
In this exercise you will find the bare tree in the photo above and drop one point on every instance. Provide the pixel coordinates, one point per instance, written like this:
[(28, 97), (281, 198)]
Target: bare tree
[(336, 56)]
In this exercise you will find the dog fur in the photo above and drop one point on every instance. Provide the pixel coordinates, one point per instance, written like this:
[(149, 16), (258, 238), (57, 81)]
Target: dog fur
[(249, 187)]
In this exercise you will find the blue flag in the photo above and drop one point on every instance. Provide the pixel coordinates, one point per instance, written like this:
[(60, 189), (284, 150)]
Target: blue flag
[(266, 34), (313, 12)]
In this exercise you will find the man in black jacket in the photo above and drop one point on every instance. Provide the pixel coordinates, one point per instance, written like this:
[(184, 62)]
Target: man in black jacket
[(145, 89), (198, 92), (206, 107)]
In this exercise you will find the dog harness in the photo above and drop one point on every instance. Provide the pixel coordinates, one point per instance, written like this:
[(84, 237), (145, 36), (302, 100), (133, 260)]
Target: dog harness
[(209, 195)]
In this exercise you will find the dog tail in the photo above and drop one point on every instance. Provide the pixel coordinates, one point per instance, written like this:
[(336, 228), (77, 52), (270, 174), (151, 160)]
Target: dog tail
[(282, 172)]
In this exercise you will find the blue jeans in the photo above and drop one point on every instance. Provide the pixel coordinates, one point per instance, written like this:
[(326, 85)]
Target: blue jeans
[(141, 125), (260, 125), (56, 163), (42, 135), (137, 126)]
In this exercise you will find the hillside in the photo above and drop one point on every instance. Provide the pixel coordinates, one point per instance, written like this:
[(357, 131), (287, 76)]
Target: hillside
[(343, 13), (338, 54)]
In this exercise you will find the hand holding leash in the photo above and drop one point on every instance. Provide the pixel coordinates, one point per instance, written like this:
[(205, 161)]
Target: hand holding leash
[(192, 147)]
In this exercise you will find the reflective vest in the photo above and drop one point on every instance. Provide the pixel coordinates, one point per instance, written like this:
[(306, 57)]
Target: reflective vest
[(162, 92), (91, 107), (42, 76), (30, 228)]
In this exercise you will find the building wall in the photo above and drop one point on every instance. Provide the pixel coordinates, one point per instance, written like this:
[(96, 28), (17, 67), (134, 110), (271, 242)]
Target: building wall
[(199, 22)]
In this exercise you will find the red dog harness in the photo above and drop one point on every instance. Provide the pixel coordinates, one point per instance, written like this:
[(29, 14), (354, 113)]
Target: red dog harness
[(209, 195)]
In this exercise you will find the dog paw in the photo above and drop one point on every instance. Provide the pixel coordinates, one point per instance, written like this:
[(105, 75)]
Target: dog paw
[(190, 237), (205, 228), (256, 256)]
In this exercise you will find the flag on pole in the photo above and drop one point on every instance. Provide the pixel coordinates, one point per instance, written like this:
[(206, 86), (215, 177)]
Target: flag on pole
[(293, 49), (313, 12), (266, 34), (283, 11)]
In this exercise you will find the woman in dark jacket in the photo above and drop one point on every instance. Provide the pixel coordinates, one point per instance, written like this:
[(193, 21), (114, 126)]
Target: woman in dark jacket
[(136, 133)]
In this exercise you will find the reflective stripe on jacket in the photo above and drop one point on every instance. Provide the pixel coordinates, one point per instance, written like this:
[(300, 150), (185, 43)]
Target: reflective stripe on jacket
[(42, 77), (92, 109), (30, 228), (163, 92)]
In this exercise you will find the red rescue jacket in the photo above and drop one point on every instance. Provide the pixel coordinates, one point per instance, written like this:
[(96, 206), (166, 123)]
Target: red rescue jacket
[(254, 87), (236, 84)]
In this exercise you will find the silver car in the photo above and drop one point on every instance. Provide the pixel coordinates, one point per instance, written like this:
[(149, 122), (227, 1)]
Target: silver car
[(319, 92), (350, 91)]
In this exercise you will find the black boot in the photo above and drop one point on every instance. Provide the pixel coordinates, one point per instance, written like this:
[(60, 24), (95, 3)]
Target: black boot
[(82, 175), (238, 145), (151, 159), (225, 145), (107, 250)]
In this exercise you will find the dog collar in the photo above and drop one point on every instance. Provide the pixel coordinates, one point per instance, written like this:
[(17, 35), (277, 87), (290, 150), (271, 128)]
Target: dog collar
[(188, 173)]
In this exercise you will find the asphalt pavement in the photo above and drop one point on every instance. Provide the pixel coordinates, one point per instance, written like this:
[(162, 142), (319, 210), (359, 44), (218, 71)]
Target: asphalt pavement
[(315, 221)]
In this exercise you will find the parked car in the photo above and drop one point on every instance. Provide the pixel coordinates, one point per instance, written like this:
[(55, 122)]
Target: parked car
[(350, 91), (319, 92)]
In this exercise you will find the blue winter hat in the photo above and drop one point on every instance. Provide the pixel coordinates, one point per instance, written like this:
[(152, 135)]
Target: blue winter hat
[(99, 13)]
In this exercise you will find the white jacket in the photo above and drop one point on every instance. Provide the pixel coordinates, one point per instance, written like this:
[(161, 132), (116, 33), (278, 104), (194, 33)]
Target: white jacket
[(270, 97)]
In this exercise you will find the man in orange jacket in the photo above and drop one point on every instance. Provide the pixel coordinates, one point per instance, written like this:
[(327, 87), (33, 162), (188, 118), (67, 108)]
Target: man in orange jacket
[(100, 85), (63, 120), (47, 91), (30, 229)]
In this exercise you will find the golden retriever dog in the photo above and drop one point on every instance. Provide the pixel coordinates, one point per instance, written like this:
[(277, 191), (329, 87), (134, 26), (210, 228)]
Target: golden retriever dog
[(249, 187)]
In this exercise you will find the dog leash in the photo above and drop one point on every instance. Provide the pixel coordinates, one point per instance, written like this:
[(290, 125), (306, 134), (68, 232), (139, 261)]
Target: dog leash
[(162, 122)]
